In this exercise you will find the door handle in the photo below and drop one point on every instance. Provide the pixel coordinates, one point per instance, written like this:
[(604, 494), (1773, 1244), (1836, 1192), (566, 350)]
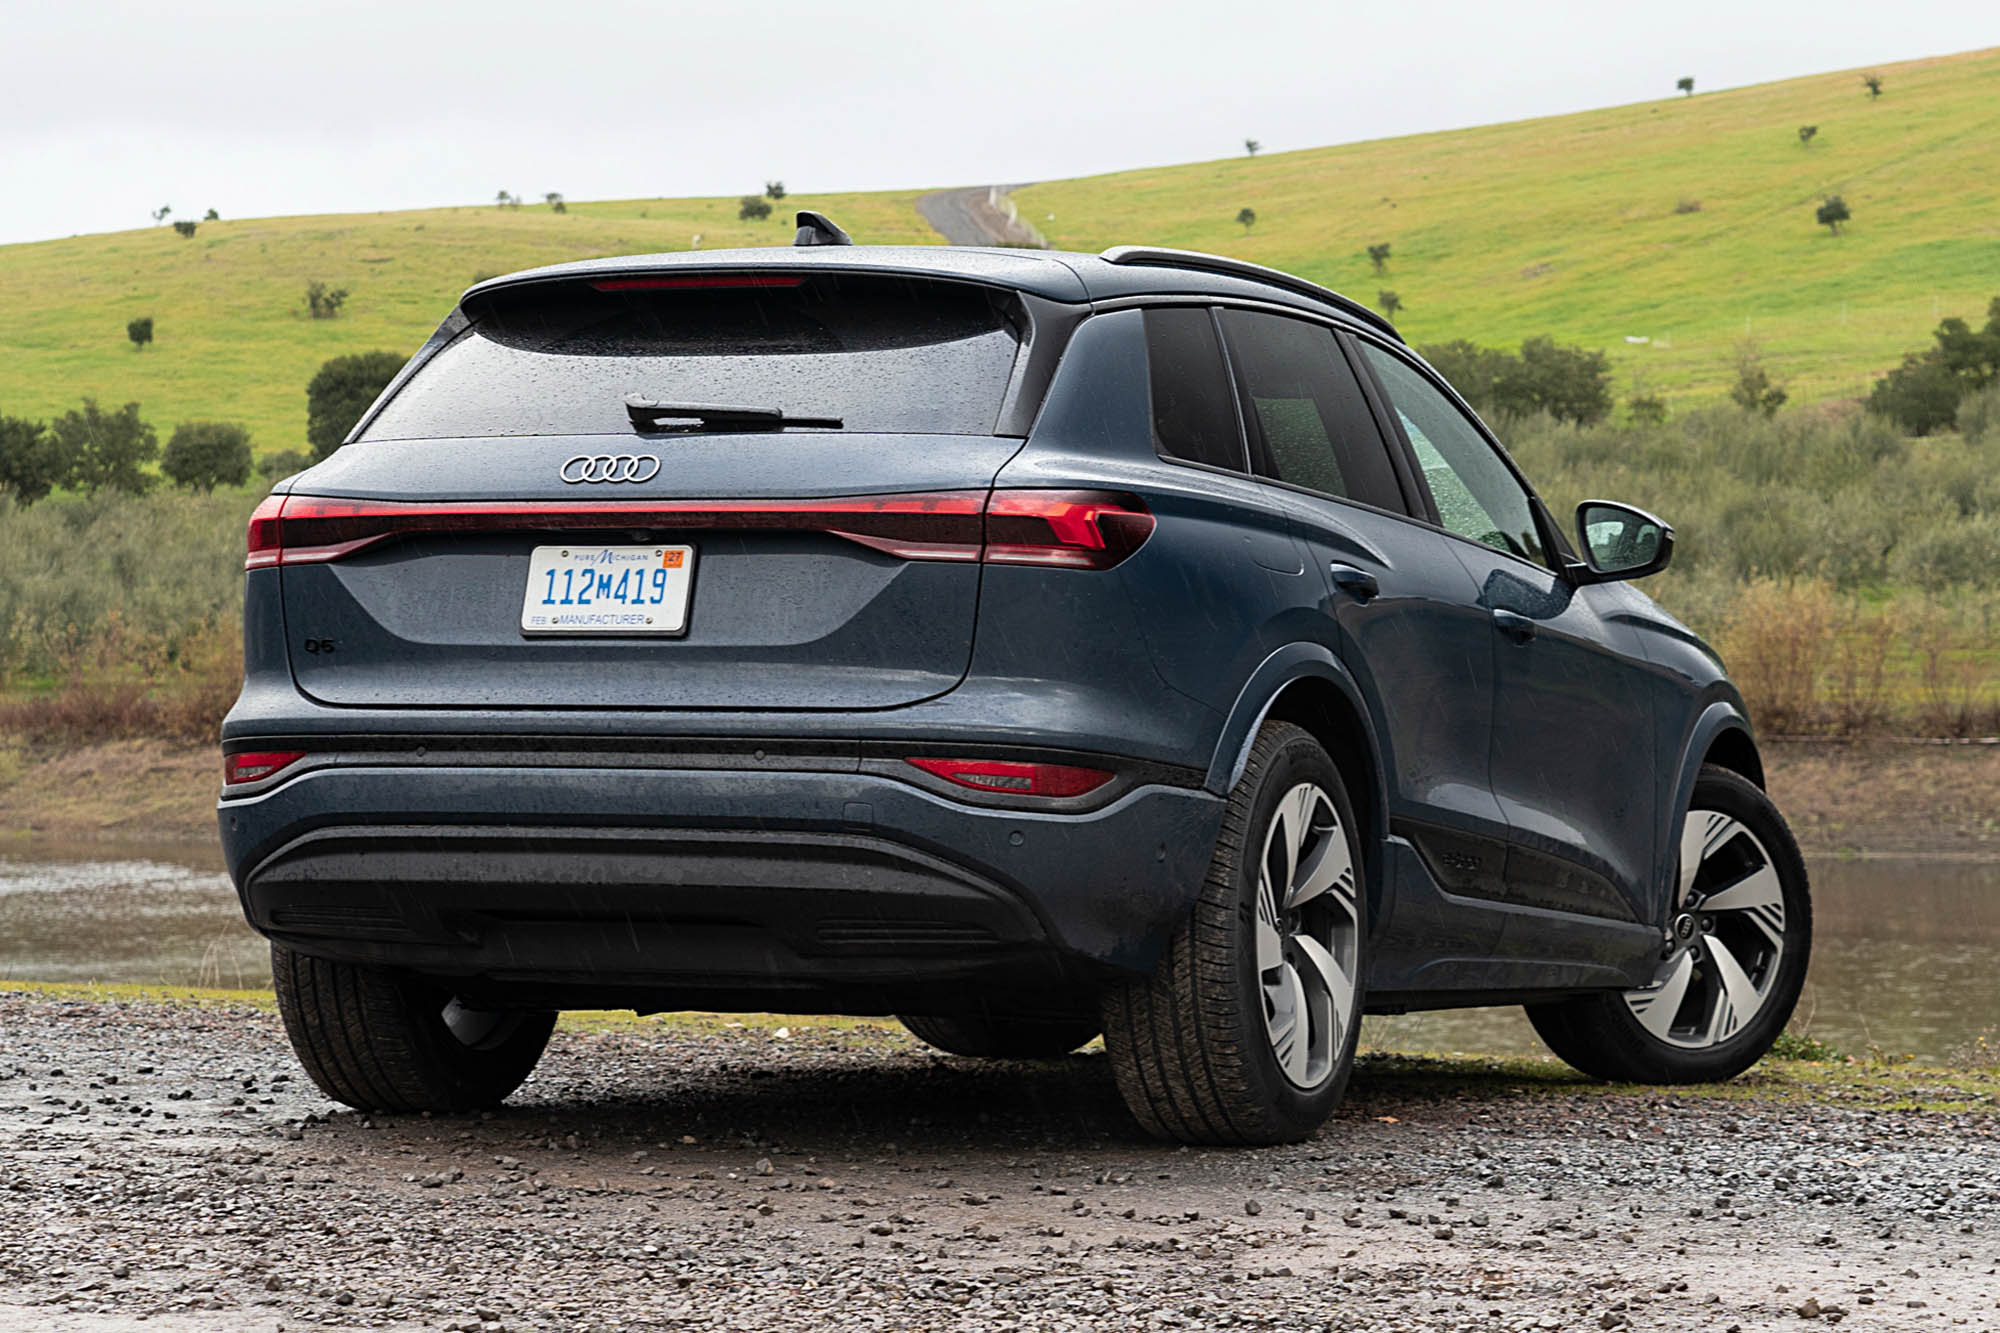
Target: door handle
[(1356, 583), (1514, 625)]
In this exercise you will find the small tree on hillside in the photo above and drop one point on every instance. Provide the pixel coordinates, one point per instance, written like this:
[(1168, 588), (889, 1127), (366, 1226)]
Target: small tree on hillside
[(32, 462), (1686, 84), (340, 392), (1251, 146), (211, 216), (753, 208), (1921, 395), (323, 302), (205, 454), (1390, 302), (108, 450), (1832, 213), (140, 331), (185, 227), (1873, 82), (774, 189), (1806, 133), (1248, 217), (555, 202), (160, 213), (506, 199), (1754, 389), (1378, 255)]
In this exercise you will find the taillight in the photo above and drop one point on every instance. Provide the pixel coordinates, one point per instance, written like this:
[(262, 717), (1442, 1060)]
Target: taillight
[(1016, 779), (1068, 529), (1061, 529), (251, 765)]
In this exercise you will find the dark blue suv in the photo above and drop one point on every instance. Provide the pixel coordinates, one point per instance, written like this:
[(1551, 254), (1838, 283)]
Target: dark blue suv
[(1031, 645)]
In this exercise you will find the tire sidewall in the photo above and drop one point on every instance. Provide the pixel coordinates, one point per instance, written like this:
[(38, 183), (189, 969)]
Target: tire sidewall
[(1299, 758)]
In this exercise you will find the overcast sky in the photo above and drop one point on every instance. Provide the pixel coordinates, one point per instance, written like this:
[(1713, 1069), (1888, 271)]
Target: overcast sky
[(115, 107)]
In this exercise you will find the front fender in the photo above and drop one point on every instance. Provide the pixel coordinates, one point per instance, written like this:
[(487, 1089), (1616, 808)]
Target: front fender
[(1723, 714)]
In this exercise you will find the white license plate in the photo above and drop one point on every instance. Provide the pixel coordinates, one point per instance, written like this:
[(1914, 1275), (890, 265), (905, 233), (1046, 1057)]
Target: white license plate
[(608, 590)]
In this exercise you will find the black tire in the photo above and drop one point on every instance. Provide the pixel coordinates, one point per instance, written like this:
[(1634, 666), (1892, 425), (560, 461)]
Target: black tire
[(1189, 1046), (379, 1041), (1602, 1036), (1000, 1037)]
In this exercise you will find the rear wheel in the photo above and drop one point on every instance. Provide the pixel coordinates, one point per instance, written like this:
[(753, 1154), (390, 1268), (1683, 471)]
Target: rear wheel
[(1245, 1032), (1731, 967), (379, 1041), (1000, 1037)]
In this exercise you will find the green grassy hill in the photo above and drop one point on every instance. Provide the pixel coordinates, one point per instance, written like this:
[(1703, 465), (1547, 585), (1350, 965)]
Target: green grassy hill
[(1569, 225), (232, 340), (1565, 226)]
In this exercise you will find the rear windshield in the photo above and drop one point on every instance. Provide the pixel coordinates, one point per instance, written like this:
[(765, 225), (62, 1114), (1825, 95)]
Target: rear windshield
[(882, 354)]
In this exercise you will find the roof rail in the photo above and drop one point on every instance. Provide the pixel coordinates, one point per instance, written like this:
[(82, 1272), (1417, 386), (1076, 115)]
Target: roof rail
[(1162, 257)]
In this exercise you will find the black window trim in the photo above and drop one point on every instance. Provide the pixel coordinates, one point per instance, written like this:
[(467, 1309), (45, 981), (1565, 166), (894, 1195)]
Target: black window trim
[(1228, 375), (1562, 558)]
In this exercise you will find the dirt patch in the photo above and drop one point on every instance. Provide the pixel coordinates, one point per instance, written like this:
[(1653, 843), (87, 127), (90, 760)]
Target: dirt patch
[(1887, 798), (149, 789), (168, 1162)]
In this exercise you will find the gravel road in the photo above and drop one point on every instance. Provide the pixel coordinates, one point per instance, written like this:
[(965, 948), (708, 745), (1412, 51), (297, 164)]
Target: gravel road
[(164, 1167)]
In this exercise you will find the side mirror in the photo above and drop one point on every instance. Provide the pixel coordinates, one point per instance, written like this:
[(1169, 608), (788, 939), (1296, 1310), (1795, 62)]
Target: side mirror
[(1620, 542)]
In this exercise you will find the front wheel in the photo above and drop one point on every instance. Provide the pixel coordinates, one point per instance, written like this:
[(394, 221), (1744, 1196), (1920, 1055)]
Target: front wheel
[(1735, 954), (1245, 1032), (380, 1041)]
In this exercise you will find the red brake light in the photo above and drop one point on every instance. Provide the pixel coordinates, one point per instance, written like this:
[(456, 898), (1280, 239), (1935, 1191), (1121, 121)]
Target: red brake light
[(694, 280), (1070, 529), (1016, 779), (266, 542), (251, 765)]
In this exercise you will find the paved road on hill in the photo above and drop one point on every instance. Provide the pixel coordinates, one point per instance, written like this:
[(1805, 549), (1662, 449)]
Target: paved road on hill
[(967, 217)]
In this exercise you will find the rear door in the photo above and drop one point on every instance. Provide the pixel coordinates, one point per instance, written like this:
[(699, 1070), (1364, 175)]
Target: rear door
[(830, 566)]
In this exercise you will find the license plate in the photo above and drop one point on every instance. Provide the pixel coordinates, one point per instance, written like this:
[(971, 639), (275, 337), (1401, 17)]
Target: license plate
[(608, 590)]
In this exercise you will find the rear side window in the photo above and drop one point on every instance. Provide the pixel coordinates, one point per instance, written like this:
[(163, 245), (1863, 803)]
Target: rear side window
[(1194, 409), (1307, 411), (882, 354)]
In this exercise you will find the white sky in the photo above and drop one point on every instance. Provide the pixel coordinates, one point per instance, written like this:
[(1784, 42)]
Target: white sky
[(111, 108)]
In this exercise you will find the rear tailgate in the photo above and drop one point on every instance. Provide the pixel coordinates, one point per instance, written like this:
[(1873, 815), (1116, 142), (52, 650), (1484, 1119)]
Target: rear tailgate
[(826, 568)]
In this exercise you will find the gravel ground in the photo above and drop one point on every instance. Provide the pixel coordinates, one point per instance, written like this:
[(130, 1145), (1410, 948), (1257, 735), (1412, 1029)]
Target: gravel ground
[(165, 1167)]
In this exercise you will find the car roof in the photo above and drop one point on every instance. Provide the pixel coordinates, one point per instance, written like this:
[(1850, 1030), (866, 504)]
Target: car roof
[(1057, 275)]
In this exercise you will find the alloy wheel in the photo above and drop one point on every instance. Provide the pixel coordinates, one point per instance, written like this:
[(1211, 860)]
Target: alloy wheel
[(1308, 937), (1721, 957)]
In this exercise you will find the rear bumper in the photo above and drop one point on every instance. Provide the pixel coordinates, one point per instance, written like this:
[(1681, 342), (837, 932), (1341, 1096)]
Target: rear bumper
[(715, 888)]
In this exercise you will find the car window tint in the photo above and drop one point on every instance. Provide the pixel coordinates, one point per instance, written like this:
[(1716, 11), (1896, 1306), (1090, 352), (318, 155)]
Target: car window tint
[(1477, 495), (1194, 410), (1307, 409), (883, 354)]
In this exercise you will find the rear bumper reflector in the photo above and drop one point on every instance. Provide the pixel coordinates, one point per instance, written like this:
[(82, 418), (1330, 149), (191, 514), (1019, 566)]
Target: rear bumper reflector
[(1065, 529)]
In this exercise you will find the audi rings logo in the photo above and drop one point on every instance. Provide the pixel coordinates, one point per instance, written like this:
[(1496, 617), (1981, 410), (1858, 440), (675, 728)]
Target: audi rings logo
[(609, 467)]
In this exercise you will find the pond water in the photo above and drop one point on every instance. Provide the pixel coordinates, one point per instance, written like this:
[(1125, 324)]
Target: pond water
[(1906, 956)]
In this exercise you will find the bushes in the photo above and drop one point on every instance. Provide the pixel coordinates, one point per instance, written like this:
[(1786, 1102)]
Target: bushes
[(1567, 383), (31, 463), (1923, 394), (205, 454), (106, 450), (343, 389)]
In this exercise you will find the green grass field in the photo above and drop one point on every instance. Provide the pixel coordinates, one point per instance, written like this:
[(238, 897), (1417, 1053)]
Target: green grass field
[(1566, 226)]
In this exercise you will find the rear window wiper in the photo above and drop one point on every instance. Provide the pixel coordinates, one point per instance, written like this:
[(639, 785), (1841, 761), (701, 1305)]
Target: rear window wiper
[(653, 416)]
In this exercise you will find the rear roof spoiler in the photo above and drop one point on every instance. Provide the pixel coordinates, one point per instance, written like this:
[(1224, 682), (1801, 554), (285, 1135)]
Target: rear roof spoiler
[(1199, 262)]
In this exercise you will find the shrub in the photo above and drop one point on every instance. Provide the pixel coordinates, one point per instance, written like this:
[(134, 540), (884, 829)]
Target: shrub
[(1832, 213), (1686, 85), (211, 216), (1378, 255), (1754, 389), (1646, 409), (186, 227), (1806, 133), (1921, 395), (1251, 146), (1391, 303), (323, 303), (271, 467), (555, 202), (1569, 383), (1687, 205), (1979, 416), (774, 189), (753, 208), (1938, 557), (1873, 82), (341, 391), (205, 454), (140, 331), (108, 450), (1777, 643), (1469, 368), (1247, 217), (32, 461)]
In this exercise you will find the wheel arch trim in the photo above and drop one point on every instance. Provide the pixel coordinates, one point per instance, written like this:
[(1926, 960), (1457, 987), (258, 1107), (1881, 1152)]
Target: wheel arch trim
[(1724, 725)]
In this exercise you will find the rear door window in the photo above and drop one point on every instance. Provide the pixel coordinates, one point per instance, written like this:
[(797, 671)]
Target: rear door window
[(1309, 423), (1194, 409), (882, 354)]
